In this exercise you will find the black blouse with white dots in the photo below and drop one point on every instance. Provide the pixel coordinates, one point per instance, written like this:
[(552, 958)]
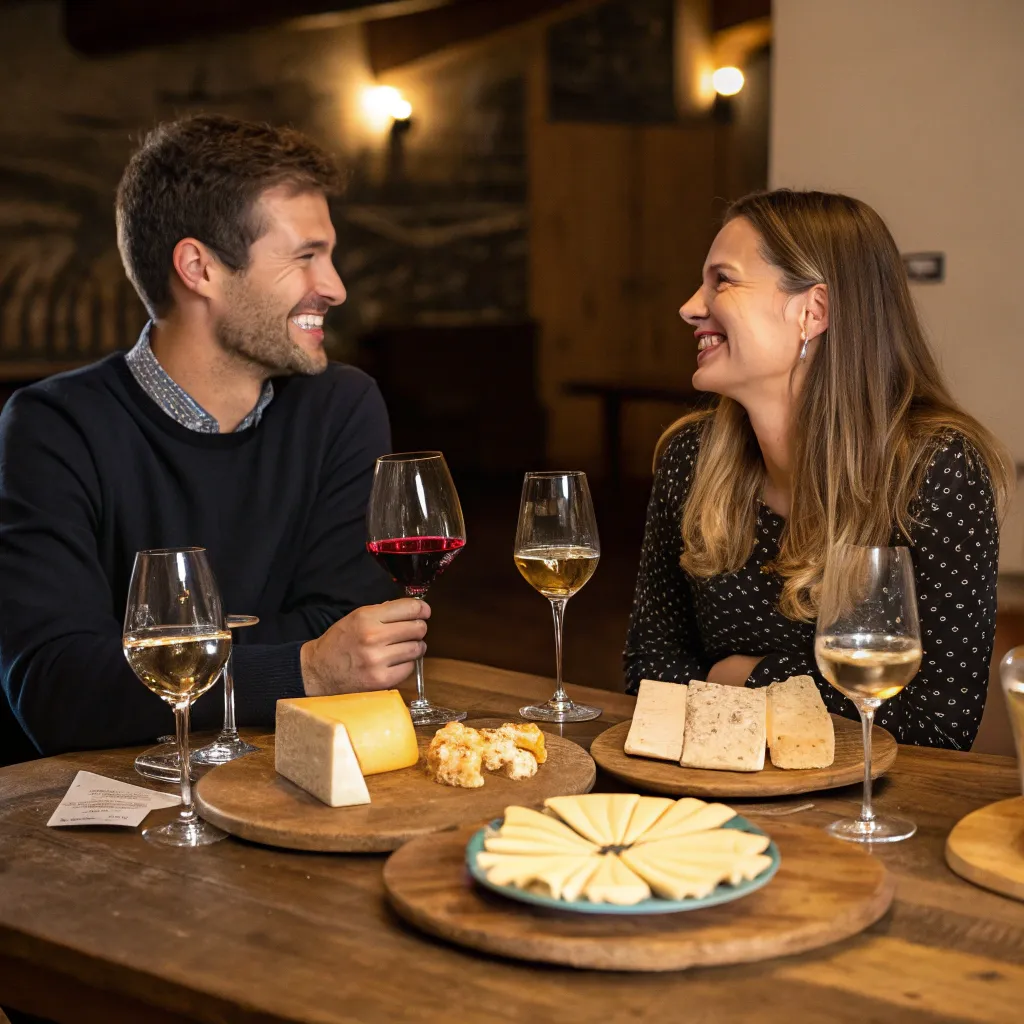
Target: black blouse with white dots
[(681, 625)]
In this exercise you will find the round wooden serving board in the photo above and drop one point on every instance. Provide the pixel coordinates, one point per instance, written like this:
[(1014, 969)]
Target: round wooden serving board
[(987, 847), (672, 780), (250, 800), (825, 890)]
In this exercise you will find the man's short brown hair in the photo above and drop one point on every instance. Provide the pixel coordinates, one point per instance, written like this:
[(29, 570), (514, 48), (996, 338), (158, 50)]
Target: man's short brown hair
[(201, 177)]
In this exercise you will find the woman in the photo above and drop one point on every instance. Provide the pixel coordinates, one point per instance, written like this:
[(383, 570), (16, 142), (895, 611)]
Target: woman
[(833, 425)]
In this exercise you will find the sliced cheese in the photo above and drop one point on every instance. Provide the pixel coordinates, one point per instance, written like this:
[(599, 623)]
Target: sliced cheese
[(725, 727), (800, 730), (717, 841), (588, 814), (556, 878), (576, 883), (658, 721), (620, 811), (614, 882), (647, 811), (523, 871), (555, 840), (670, 883), (378, 725), (688, 815), (317, 754)]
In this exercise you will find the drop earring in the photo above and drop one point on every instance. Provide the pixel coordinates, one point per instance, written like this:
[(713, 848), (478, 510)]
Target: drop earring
[(803, 350)]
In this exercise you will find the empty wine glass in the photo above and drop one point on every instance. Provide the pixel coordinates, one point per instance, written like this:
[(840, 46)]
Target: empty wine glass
[(415, 530), (868, 646), (557, 551), (228, 745), (176, 643)]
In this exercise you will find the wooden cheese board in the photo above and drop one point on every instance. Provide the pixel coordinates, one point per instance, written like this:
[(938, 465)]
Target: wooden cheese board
[(250, 800), (670, 779), (825, 890), (987, 847)]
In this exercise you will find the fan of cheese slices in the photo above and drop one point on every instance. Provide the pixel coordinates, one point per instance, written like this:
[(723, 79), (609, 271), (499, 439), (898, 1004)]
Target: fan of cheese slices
[(708, 725), (621, 849)]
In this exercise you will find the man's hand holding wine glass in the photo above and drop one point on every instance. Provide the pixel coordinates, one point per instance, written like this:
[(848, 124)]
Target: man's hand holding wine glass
[(371, 648)]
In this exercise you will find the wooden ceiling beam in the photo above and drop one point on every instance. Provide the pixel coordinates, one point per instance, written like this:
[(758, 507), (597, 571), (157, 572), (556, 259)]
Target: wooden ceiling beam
[(113, 26)]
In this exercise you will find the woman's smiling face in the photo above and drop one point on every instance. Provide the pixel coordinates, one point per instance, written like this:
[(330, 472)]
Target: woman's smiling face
[(747, 328)]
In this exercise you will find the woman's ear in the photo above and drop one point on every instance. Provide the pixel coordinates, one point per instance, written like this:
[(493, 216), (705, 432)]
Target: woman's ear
[(815, 320)]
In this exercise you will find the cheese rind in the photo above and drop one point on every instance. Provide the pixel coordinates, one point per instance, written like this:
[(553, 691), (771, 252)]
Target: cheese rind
[(658, 721), (378, 724), (725, 727), (800, 730), (317, 754)]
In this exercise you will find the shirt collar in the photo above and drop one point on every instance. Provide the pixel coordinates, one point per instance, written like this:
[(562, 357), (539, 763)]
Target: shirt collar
[(174, 399)]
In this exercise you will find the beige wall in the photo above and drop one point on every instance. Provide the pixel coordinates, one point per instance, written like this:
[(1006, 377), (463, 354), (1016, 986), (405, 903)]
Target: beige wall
[(917, 107)]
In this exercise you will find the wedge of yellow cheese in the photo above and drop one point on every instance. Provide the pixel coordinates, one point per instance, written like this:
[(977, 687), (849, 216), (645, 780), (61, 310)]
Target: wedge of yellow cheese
[(378, 725)]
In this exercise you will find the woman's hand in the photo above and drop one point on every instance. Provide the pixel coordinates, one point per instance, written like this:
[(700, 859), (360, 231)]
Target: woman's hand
[(734, 670)]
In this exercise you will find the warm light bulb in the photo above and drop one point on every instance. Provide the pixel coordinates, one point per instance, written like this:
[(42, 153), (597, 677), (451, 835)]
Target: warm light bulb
[(382, 102), (727, 81)]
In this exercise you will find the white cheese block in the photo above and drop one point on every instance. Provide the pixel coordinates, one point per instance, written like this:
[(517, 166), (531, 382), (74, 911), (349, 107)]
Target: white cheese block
[(317, 754), (658, 721), (725, 727), (800, 731)]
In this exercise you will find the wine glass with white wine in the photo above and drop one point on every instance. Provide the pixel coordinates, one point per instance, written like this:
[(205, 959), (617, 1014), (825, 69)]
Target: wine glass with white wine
[(557, 551), (868, 646), (177, 643)]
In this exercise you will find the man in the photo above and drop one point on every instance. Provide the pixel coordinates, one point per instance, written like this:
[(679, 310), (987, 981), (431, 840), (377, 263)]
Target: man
[(225, 427)]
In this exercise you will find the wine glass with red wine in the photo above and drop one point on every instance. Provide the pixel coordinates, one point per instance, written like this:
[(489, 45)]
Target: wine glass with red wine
[(415, 531)]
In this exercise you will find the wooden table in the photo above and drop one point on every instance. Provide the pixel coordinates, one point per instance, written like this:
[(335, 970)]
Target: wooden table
[(99, 925)]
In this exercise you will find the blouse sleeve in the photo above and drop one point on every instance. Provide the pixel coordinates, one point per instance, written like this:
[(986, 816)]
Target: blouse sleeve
[(663, 641), (955, 549)]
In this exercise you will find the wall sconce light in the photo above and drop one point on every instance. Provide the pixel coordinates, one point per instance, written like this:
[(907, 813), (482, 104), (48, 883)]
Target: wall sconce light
[(384, 103), (727, 81)]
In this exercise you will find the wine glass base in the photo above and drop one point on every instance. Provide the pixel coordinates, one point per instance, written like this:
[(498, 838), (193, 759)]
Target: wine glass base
[(185, 833), (432, 714), (222, 750), (570, 712), (877, 830), (159, 763)]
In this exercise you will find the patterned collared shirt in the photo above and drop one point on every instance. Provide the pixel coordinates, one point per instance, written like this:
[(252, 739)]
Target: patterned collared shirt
[(175, 400)]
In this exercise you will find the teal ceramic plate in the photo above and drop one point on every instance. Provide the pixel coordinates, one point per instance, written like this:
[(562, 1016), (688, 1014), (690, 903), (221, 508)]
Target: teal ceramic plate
[(725, 893)]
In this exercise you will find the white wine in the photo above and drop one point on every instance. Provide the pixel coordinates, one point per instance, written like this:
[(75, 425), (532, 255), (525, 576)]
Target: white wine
[(868, 666), (178, 663), (557, 571)]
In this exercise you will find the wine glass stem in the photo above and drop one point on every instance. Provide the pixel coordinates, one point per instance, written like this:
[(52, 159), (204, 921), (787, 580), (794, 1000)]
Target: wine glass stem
[(187, 814), (421, 694), (561, 698), (230, 729), (867, 720)]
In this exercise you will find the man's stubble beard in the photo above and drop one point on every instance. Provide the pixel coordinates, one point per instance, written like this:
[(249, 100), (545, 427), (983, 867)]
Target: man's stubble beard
[(257, 330)]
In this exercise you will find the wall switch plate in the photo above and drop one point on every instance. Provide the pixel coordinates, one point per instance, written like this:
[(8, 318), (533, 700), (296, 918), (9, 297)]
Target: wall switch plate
[(925, 266)]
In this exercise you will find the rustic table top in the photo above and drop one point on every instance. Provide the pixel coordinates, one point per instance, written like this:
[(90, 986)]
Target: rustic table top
[(98, 924)]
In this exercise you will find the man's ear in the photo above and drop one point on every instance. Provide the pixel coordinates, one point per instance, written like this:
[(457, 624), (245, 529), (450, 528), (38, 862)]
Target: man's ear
[(197, 268), (815, 319)]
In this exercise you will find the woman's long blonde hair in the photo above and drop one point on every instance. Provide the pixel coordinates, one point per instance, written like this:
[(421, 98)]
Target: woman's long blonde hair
[(872, 406)]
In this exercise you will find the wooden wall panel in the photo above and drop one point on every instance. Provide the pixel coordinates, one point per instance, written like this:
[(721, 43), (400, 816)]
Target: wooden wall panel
[(621, 218)]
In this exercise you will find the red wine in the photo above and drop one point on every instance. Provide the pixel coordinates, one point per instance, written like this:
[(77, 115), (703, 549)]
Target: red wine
[(415, 562)]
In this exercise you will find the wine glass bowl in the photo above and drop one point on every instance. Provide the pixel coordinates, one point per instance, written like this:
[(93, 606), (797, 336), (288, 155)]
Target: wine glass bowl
[(415, 530), (176, 642), (868, 646), (556, 552)]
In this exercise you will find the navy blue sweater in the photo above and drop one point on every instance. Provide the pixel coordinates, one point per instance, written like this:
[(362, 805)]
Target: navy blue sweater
[(91, 471)]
